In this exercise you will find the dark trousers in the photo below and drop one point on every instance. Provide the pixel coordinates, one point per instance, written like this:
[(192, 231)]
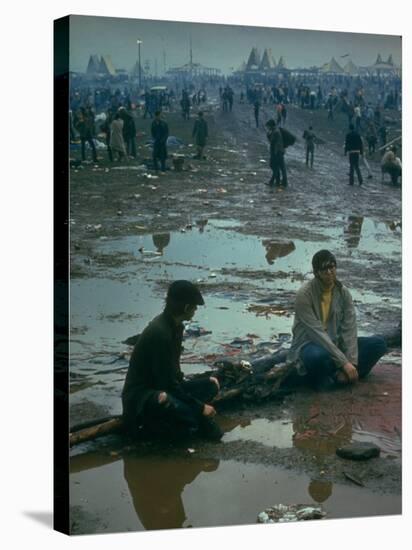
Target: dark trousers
[(278, 167), (319, 363), (354, 167), (159, 153), (310, 149), (131, 146), (257, 117), (177, 416), (83, 148)]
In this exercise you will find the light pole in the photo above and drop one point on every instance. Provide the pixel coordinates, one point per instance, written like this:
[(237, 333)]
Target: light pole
[(139, 42)]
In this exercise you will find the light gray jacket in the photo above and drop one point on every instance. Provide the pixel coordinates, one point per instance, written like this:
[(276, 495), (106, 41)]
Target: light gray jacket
[(340, 338)]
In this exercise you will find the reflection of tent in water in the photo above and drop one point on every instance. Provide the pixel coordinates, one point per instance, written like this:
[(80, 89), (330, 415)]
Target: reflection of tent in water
[(320, 490), (277, 249), (353, 231), (161, 240), (156, 486)]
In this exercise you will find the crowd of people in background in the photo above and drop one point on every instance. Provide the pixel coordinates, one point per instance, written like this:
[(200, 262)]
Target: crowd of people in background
[(362, 100)]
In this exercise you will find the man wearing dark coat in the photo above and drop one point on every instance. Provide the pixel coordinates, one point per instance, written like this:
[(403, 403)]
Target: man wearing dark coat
[(160, 133), (200, 134), (156, 395), (277, 154), (354, 146)]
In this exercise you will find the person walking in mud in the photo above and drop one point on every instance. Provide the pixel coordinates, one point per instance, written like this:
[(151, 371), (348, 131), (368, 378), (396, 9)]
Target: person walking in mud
[(160, 133), (277, 155), (325, 345), (156, 395), (354, 146), (256, 109), (200, 134), (310, 138), (117, 145), (85, 127)]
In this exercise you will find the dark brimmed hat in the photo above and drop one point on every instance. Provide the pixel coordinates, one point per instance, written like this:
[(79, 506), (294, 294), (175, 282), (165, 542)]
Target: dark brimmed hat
[(185, 292), (271, 123)]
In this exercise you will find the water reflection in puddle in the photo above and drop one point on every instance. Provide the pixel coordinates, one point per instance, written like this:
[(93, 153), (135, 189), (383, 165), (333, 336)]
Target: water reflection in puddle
[(276, 433), (135, 493)]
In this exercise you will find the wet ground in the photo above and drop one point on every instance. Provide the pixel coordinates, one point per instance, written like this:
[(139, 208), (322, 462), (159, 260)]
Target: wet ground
[(249, 248)]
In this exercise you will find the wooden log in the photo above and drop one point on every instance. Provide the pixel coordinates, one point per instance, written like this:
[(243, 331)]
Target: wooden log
[(87, 434)]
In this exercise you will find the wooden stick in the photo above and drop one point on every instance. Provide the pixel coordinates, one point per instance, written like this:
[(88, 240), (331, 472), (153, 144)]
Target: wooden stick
[(111, 426)]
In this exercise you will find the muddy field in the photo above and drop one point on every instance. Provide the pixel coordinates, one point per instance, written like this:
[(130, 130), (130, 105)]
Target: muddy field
[(249, 248)]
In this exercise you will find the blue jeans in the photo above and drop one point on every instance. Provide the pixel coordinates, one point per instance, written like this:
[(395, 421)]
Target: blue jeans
[(319, 363)]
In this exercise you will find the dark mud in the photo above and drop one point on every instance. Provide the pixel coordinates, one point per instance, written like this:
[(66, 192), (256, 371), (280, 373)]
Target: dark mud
[(249, 249)]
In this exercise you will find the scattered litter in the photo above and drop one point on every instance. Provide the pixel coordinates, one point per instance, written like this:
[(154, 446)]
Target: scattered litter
[(119, 213), (353, 479), (293, 512), (136, 196), (201, 191), (193, 329), (149, 252), (385, 393), (212, 275), (239, 342), (263, 161), (141, 227), (173, 141), (152, 187), (267, 310), (221, 190), (191, 451)]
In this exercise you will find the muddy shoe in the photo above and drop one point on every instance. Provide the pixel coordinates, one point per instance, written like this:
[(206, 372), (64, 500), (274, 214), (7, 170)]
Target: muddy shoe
[(209, 429)]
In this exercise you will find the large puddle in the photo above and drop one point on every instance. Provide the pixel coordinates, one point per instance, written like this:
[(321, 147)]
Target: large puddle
[(106, 311), (132, 493)]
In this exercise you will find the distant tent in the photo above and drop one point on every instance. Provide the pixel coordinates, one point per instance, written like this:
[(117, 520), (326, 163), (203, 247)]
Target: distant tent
[(282, 63), (254, 60), (350, 68), (384, 66), (332, 67), (106, 66), (93, 65), (267, 62)]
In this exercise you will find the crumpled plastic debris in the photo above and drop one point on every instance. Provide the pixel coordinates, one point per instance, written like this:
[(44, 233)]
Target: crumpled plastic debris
[(282, 513), (145, 252), (195, 330)]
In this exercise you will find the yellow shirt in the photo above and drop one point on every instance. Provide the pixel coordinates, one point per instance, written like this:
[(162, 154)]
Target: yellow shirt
[(325, 303)]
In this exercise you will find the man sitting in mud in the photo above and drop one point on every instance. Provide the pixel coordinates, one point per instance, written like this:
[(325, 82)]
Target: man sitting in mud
[(325, 346), (156, 395)]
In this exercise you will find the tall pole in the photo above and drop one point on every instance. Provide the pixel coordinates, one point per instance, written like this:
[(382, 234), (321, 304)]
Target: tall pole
[(139, 43)]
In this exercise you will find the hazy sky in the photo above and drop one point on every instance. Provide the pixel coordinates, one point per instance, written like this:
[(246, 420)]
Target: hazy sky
[(219, 46)]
